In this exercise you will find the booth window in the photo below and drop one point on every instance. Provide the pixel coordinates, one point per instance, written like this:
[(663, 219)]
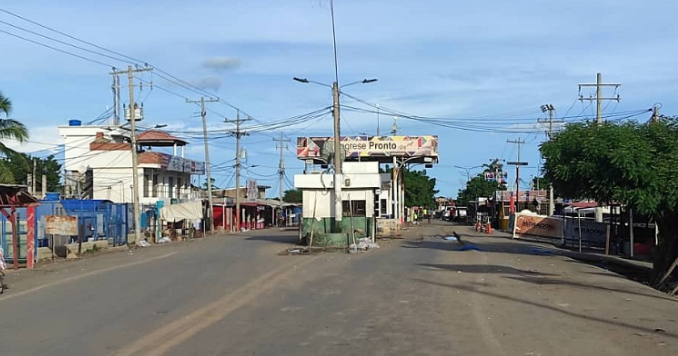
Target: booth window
[(357, 206)]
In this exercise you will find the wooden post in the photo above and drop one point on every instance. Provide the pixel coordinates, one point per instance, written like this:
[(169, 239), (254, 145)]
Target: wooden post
[(15, 239), (81, 231), (30, 237), (607, 240)]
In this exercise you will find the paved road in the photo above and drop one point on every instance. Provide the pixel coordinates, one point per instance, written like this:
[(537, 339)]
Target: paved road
[(233, 295)]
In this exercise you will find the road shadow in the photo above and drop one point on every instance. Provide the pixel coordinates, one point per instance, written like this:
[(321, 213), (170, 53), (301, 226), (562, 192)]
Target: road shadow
[(472, 289), (555, 282), (437, 243), (284, 239), (487, 269)]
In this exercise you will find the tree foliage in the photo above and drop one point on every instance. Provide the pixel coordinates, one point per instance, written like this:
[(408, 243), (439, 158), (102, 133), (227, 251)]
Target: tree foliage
[(630, 163), (419, 187), (479, 187), (9, 130), (293, 196), (22, 166), (214, 186)]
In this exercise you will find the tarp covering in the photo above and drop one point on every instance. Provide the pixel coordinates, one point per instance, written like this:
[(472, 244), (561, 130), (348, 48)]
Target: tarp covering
[(191, 210)]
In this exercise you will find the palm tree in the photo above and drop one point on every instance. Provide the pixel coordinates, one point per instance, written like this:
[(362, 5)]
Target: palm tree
[(13, 130)]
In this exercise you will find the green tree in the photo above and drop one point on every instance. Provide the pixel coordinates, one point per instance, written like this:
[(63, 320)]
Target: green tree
[(22, 166), (9, 130), (631, 163), (419, 187), (478, 187), (214, 186), (293, 196), (540, 182)]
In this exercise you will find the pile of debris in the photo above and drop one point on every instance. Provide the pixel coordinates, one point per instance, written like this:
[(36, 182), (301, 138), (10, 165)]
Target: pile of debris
[(364, 244)]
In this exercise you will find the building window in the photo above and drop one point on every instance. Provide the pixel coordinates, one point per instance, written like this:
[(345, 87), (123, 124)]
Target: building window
[(178, 187), (357, 207), (146, 183), (155, 186), (170, 182), (383, 207)]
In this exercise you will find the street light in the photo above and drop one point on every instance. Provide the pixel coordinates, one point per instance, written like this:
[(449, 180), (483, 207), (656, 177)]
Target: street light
[(337, 137), (468, 171)]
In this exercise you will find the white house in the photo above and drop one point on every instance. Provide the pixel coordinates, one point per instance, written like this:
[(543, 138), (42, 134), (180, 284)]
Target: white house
[(98, 165)]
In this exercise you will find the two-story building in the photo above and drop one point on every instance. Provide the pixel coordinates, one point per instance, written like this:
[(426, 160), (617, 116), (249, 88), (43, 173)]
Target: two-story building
[(98, 165)]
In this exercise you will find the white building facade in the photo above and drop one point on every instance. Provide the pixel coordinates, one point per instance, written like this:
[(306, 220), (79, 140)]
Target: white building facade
[(98, 165)]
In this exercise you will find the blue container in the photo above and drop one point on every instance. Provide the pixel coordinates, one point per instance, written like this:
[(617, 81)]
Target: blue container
[(74, 123), (52, 196)]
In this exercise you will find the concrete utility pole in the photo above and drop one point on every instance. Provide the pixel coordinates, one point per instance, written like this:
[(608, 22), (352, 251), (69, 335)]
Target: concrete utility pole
[(655, 114), (116, 97), (599, 96), (378, 121), (238, 134), (135, 159), (550, 109), (34, 180), (203, 113), (517, 164), (338, 207), (281, 165)]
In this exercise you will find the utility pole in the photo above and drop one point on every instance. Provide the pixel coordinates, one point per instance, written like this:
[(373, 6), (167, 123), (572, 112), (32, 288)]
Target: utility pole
[(517, 164), (203, 113), (238, 134), (33, 179), (135, 160), (599, 96), (116, 97), (550, 109), (394, 128), (378, 121), (655, 114), (281, 165), (338, 204)]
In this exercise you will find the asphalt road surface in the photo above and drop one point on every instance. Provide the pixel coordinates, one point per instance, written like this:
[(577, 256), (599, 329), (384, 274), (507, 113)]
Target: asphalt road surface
[(234, 295)]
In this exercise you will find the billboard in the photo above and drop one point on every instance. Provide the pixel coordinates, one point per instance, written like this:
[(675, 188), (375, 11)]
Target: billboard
[(369, 147), (180, 164), (61, 225), (537, 226), (525, 195), (251, 190)]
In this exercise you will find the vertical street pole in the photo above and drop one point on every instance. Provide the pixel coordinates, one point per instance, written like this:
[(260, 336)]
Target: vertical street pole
[(133, 136), (238, 134), (135, 162), (210, 205), (599, 98), (237, 172), (281, 171), (378, 121), (337, 156)]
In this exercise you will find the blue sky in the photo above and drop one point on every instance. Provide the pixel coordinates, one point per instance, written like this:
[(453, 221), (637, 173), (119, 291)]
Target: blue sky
[(485, 66)]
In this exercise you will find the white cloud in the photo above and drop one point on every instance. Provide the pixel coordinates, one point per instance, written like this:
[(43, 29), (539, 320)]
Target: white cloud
[(44, 139)]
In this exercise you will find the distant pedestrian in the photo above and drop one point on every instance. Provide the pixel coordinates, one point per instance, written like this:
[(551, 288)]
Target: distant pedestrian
[(3, 267)]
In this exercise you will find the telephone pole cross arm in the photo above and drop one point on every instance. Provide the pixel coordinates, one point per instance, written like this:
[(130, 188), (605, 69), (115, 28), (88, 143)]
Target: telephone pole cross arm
[(599, 96)]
